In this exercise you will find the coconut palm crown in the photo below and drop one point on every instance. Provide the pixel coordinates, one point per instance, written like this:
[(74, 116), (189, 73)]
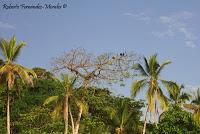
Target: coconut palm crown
[(151, 78), (175, 93), (10, 52)]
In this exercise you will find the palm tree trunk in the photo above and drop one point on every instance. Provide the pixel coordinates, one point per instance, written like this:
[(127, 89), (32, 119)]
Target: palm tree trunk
[(145, 121), (72, 120), (155, 117), (76, 128), (78, 120), (156, 109), (66, 109), (8, 112)]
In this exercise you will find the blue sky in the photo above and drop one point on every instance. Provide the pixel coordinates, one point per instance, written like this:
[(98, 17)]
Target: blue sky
[(168, 28)]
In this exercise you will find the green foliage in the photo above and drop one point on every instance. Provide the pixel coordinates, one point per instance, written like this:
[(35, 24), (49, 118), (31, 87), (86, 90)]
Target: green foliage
[(176, 121), (10, 50), (94, 126), (28, 114), (175, 92), (103, 113), (195, 106), (43, 73), (99, 116)]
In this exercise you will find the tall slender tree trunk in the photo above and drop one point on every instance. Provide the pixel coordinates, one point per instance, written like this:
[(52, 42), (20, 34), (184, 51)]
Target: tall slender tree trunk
[(8, 112), (78, 120), (145, 121), (156, 109), (66, 111), (155, 115), (72, 120), (77, 124)]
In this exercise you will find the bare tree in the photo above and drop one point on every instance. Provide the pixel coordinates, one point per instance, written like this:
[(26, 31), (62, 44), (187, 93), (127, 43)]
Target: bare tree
[(91, 69)]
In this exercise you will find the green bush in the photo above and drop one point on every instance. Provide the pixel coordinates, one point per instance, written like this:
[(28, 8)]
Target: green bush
[(176, 121)]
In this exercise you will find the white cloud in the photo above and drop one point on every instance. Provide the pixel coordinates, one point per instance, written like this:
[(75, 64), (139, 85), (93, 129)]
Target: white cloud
[(176, 25), (190, 44), (6, 25), (139, 16), (184, 15), (167, 33)]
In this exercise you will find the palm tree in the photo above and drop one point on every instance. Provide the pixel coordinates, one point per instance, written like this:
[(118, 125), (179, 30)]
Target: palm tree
[(151, 78), (122, 116), (195, 106), (175, 93), (62, 102), (10, 70)]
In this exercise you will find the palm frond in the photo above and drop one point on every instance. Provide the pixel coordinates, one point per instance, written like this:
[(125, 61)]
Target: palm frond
[(111, 111), (83, 105), (50, 100), (57, 111), (3, 46), (153, 64), (1, 62), (162, 66), (58, 105), (24, 73), (139, 68), (185, 97), (191, 107), (172, 87), (73, 81), (137, 86), (11, 46), (12, 42), (196, 111), (196, 97), (162, 99), (17, 50), (146, 65), (29, 71), (126, 114), (5, 69)]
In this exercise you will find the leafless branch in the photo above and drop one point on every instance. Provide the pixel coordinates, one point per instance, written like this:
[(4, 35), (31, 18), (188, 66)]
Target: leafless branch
[(107, 67)]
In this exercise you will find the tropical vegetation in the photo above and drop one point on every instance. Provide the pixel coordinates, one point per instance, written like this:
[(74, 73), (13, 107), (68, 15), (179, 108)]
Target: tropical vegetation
[(75, 96)]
